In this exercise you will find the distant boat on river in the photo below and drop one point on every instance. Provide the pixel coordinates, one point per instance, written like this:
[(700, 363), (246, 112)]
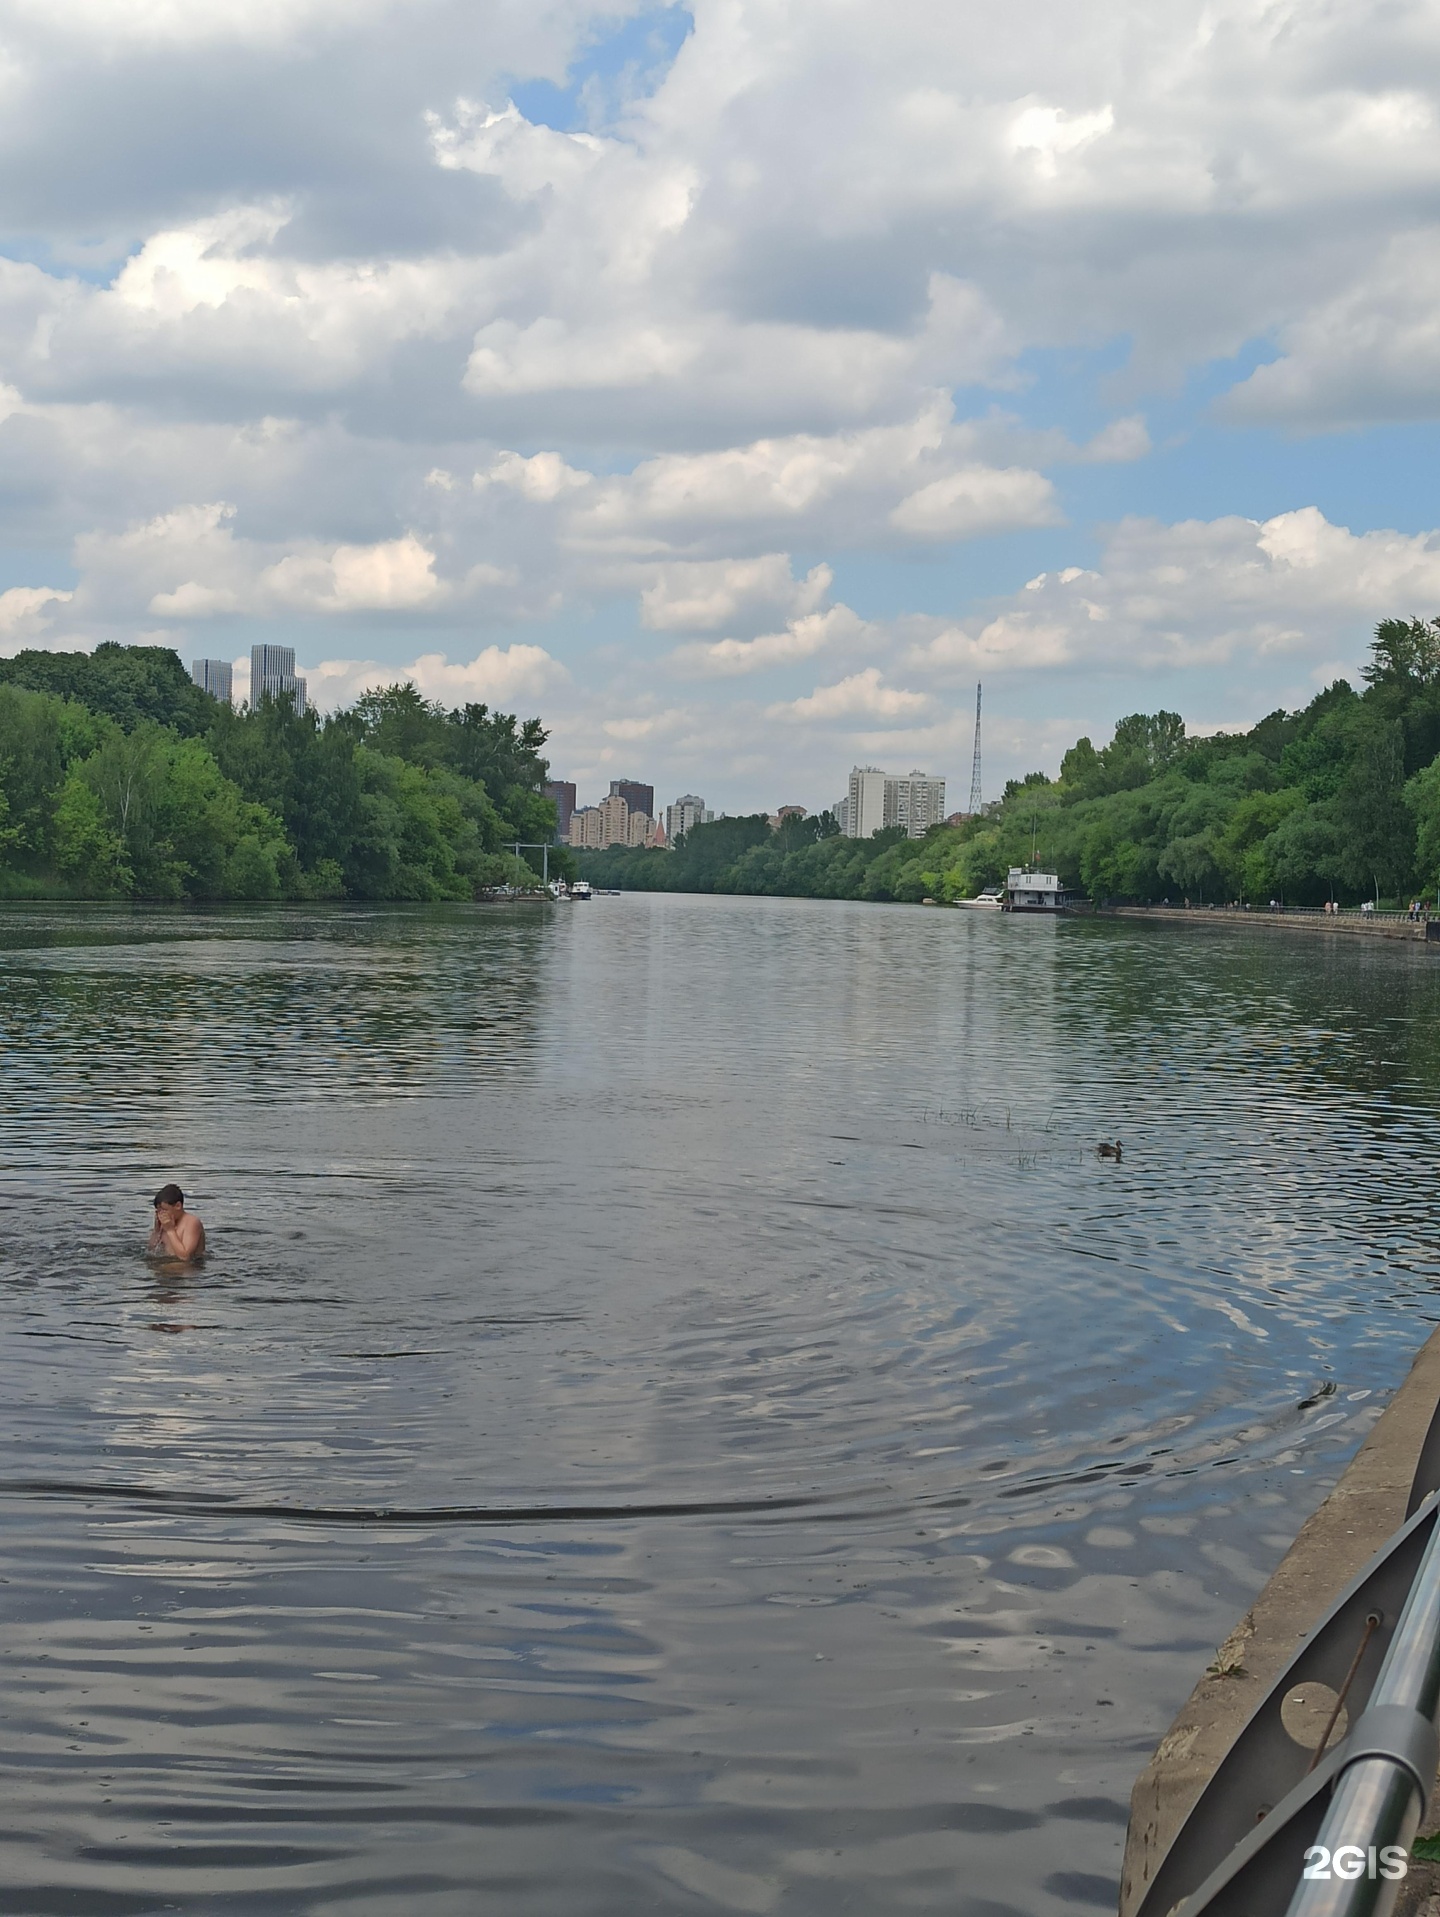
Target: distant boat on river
[(991, 898), (580, 890)]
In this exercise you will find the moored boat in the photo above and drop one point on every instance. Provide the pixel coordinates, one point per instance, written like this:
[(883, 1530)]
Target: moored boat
[(1028, 890)]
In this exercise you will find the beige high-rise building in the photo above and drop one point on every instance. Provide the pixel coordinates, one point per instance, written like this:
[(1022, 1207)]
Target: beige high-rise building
[(614, 820), (878, 799), (916, 802), (609, 823)]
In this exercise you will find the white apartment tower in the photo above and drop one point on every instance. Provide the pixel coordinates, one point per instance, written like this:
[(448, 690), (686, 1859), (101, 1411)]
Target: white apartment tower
[(688, 811), (865, 813)]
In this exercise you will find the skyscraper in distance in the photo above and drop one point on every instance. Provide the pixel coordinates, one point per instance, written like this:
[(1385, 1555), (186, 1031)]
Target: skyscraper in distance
[(687, 812), (272, 675), (915, 802), (865, 813), (561, 794), (215, 676), (878, 799), (639, 798)]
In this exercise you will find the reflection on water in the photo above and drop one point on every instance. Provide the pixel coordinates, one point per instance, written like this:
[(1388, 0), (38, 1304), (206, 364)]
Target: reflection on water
[(676, 1416)]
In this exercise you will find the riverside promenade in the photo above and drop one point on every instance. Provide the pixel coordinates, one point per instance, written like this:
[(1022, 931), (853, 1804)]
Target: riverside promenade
[(1347, 924), (1360, 1514)]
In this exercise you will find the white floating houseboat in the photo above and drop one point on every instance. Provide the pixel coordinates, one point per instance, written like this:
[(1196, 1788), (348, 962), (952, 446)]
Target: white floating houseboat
[(1027, 890)]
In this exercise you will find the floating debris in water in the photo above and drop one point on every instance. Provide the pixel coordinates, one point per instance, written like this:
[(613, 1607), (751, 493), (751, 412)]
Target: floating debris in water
[(1321, 1392)]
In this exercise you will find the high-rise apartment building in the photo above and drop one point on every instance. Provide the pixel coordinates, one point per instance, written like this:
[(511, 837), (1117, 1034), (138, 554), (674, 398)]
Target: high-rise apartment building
[(272, 675), (585, 827), (915, 802), (878, 799), (561, 794), (215, 676), (610, 823), (865, 814), (687, 812), (639, 798), (614, 820)]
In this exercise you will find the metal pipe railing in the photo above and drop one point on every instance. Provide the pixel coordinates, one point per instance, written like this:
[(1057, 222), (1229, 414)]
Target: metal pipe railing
[(1380, 1796)]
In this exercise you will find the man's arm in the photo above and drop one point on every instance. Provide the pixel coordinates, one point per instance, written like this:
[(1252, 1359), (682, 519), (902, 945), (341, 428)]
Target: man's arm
[(184, 1239), (187, 1237)]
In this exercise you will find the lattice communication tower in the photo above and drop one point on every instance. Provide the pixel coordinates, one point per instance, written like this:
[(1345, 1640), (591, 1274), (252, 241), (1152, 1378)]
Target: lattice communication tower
[(975, 762)]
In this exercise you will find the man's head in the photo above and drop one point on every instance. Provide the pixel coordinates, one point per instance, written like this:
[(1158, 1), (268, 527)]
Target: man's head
[(169, 1203)]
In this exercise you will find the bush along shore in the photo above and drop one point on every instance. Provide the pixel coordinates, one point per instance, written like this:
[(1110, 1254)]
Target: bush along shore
[(1340, 801), (120, 779)]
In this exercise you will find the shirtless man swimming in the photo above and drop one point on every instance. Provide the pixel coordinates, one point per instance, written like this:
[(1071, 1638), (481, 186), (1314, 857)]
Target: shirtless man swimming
[(178, 1233)]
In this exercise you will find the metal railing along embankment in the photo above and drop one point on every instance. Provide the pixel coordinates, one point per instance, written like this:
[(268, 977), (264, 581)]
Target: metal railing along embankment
[(1286, 1830)]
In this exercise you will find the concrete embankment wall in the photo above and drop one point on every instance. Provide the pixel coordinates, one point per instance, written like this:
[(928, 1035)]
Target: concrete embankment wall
[(1331, 925), (1366, 1506)]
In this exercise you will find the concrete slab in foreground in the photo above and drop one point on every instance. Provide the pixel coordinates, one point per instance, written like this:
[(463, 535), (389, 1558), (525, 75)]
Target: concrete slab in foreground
[(1365, 1507)]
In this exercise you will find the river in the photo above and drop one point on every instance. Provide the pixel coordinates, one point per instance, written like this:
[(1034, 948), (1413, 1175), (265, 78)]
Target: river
[(676, 1417)]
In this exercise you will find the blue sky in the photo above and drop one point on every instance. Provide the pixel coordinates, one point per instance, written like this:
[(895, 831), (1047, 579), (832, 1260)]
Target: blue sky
[(734, 385)]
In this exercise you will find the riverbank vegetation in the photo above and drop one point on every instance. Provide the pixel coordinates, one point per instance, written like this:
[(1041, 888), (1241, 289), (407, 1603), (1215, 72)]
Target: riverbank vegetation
[(120, 779), (1340, 800)]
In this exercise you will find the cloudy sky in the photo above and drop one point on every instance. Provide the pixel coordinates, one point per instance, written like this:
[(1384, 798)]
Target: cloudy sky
[(733, 384)]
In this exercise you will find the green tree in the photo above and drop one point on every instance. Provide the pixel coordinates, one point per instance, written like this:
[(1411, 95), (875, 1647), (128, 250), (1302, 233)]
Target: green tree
[(1422, 796), (703, 854), (1405, 654), (129, 684), (1376, 828), (177, 820), (302, 771), (87, 850), (1242, 847), (32, 767)]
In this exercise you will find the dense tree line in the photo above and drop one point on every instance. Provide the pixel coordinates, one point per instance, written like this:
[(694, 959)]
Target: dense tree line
[(119, 778), (1340, 800)]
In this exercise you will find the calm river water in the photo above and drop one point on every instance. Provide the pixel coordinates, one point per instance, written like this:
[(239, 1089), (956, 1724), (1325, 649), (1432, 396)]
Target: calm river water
[(676, 1417)]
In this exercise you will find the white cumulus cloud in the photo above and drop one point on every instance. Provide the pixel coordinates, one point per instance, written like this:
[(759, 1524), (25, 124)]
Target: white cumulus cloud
[(497, 675), (700, 595), (1200, 593), (861, 696)]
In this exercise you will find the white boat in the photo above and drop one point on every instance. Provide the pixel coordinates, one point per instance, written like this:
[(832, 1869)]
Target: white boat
[(580, 890), (990, 899), (1027, 890)]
